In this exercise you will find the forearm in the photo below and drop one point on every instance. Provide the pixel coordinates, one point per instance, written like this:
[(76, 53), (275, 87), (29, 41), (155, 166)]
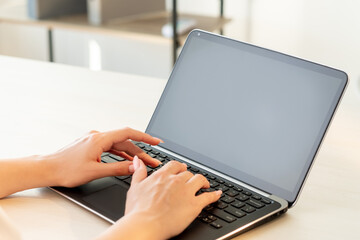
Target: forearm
[(135, 227), (25, 173)]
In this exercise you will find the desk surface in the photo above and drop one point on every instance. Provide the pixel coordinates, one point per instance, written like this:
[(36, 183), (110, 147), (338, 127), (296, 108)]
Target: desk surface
[(45, 106)]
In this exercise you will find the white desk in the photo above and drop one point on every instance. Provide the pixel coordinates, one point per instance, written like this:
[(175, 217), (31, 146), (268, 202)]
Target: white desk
[(44, 106)]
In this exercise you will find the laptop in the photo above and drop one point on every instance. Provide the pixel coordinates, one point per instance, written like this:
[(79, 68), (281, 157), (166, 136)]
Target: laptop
[(250, 119)]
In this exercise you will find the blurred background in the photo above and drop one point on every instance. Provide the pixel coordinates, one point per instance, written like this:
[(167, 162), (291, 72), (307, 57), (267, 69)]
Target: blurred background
[(130, 37)]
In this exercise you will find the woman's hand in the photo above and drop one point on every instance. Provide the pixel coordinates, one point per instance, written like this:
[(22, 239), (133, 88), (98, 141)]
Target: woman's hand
[(77, 163), (80, 162), (162, 205)]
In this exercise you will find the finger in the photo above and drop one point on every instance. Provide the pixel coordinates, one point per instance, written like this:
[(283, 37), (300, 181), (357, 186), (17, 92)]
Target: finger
[(124, 134), (131, 149), (173, 167), (208, 197), (143, 156), (112, 169), (185, 176), (121, 154), (197, 182), (126, 156), (140, 171)]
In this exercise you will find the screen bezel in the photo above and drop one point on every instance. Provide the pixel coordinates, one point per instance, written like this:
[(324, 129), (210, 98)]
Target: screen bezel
[(294, 60)]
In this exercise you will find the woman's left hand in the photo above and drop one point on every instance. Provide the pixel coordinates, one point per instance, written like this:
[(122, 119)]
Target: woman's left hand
[(80, 162)]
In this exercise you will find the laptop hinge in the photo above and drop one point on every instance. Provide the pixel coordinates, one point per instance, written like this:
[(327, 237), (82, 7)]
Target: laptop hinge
[(259, 191)]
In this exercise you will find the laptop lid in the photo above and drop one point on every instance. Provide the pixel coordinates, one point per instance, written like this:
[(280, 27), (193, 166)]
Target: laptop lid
[(253, 114)]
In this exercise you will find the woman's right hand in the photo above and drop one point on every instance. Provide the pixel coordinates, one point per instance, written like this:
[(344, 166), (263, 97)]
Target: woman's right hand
[(162, 205)]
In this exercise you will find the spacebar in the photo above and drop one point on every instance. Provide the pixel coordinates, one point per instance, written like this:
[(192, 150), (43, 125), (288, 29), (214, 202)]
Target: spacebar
[(223, 215)]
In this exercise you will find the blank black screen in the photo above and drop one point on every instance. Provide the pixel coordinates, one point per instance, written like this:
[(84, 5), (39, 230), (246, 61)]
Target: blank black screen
[(251, 113)]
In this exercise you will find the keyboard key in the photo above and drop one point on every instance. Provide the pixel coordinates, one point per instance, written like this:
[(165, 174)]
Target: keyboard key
[(255, 203), (165, 161), (208, 218), (232, 193), (242, 197), (160, 159), (247, 193), (223, 215), (257, 197), (140, 145), (211, 217), (248, 209), (221, 205), (227, 199), (147, 149), (237, 204), (162, 155), (108, 159), (229, 185), (266, 201), (216, 225), (235, 212), (239, 189), (194, 170), (203, 173), (104, 154), (222, 188), (220, 181), (155, 152), (213, 184), (116, 157), (211, 177), (151, 155)]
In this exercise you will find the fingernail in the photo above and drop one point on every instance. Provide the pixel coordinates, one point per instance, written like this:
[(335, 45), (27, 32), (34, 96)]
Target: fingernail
[(136, 163), (218, 192), (159, 162), (131, 168)]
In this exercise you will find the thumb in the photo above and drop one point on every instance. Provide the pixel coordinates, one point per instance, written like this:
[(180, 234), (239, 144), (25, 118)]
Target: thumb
[(140, 171)]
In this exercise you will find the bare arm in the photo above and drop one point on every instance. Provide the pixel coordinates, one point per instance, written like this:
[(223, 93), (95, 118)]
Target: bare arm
[(75, 164), (25, 173)]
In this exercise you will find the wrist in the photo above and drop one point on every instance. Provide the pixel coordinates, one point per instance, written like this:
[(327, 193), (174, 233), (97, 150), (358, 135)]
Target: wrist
[(135, 226), (47, 169), (146, 225)]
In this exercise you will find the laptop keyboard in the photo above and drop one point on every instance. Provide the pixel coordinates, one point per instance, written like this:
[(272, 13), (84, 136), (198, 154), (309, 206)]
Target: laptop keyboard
[(236, 201)]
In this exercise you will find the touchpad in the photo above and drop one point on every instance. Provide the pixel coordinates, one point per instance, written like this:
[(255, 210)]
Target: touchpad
[(109, 202)]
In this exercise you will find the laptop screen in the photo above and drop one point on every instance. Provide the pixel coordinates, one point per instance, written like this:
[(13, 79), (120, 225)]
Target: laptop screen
[(253, 114)]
